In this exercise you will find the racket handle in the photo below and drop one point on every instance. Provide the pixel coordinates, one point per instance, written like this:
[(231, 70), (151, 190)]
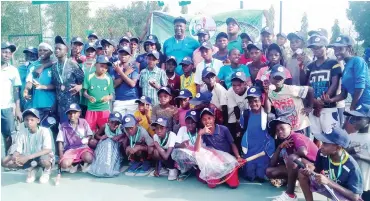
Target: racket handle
[(254, 157)]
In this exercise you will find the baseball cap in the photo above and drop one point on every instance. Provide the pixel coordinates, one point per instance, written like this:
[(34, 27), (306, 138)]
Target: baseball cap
[(254, 92), (278, 70), (320, 32), (203, 97), (281, 120), (184, 93), (172, 58), (207, 111), (145, 100), (115, 116), (5, 45), (60, 40), (187, 61), (31, 111), (362, 110), (274, 46), (179, 19), (102, 59), (124, 49), (31, 49), (254, 45), (164, 89), (203, 31), (160, 121), (93, 35), (336, 136), (222, 35), (231, 19), (104, 42), (296, 34), (317, 41), (192, 114), (239, 76), (342, 41), (77, 40), (98, 44), (73, 107), (245, 35), (135, 39), (206, 45), (281, 35), (208, 71), (129, 121), (124, 38), (88, 46), (267, 30), (151, 39), (154, 53)]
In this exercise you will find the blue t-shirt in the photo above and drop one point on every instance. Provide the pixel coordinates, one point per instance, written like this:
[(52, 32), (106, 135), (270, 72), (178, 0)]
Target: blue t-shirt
[(124, 91), (227, 71), (220, 140), (221, 58), (350, 178), (356, 76), (23, 72), (141, 59), (235, 44), (180, 49), (320, 77)]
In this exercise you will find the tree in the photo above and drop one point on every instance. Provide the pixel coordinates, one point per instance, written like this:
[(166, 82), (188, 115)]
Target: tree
[(184, 9), (335, 31), (304, 25), (358, 13), (271, 18)]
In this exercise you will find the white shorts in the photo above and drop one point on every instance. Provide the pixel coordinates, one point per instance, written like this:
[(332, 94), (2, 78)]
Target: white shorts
[(125, 107), (328, 119)]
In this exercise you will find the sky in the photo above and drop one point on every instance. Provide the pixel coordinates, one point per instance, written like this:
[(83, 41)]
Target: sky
[(321, 14)]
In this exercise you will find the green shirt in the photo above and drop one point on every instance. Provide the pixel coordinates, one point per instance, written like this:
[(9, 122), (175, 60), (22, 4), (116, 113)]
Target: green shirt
[(87, 72), (235, 44), (98, 88)]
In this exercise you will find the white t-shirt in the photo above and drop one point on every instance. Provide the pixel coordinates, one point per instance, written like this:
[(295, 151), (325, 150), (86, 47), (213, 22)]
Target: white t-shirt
[(217, 64), (170, 141), (234, 100), (219, 96), (26, 143), (9, 78), (183, 136)]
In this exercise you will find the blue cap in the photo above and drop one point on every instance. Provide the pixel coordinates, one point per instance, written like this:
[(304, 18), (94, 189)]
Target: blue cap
[(31, 111), (5, 45), (60, 40), (160, 121), (154, 53), (145, 100), (336, 136), (151, 39), (184, 93), (342, 41), (102, 59), (281, 120), (239, 76), (297, 34), (320, 32), (124, 49), (137, 39), (77, 40), (208, 71), (164, 89), (193, 115), (74, 107), (187, 61), (93, 35), (104, 42), (278, 70), (129, 121), (206, 45), (115, 116), (222, 35), (317, 41), (124, 38), (202, 31), (361, 111), (31, 49), (267, 30), (171, 58), (179, 19), (88, 46), (254, 92), (204, 97), (231, 19), (207, 110), (257, 46)]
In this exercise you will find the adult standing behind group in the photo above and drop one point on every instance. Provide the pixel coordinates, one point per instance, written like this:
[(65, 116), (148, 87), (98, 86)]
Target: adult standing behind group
[(180, 45), (233, 28)]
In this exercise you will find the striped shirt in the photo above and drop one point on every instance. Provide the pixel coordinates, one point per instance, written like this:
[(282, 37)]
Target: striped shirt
[(159, 76)]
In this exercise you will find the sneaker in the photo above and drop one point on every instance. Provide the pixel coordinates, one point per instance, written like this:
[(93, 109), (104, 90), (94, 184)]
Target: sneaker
[(172, 174), (45, 176), (85, 167), (285, 197), (31, 176), (73, 169), (131, 171), (144, 170), (162, 172)]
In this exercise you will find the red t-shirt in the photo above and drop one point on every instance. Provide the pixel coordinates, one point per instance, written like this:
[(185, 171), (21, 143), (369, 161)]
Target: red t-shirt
[(174, 83), (300, 140), (245, 61)]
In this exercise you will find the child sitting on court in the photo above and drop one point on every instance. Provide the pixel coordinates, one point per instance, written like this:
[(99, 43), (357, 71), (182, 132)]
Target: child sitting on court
[(144, 113), (73, 138), (138, 146), (98, 89), (164, 143), (333, 167), (291, 146), (32, 148), (183, 98)]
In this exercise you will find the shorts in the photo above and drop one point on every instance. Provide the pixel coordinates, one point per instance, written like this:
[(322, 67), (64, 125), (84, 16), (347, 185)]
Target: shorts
[(327, 120), (7, 122), (125, 107), (97, 119), (48, 157)]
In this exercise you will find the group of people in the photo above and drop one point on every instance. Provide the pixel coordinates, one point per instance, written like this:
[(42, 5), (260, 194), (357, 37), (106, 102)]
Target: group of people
[(258, 109)]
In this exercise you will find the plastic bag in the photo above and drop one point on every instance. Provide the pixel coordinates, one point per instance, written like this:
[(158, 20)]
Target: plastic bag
[(184, 158)]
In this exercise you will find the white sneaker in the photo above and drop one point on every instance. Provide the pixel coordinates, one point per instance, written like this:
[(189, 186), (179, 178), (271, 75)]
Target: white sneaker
[(162, 172), (31, 176), (45, 176), (73, 169), (85, 167), (285, 197), (172, 174)]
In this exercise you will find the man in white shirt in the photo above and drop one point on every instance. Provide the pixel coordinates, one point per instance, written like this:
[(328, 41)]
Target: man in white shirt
[(10, 83)]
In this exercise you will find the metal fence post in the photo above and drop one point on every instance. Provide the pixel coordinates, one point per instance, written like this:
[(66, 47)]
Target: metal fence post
[(68, 22)]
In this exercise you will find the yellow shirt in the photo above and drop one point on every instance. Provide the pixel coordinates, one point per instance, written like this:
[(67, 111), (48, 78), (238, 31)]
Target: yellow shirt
[(144, 121), (189, 84)]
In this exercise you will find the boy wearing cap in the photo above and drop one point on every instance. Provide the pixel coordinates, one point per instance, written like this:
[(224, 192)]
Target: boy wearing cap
[(76, 50), (150, 45), (138, 147), (257, 60), (233, 29), (11, 83), (203, 36), (187, 79), (267, 37), (73, 138), (222, 42), (172, 78), (152, 78), (335, 168), (203, 100), (183, 100), (144, 113), (109, 47), (32, 148), (92, 38), (256, 138), (180, 45), (290, 147), (207, 52), (125, 77), (98, 89), (124, 41), (134, 46), (164, 143)]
